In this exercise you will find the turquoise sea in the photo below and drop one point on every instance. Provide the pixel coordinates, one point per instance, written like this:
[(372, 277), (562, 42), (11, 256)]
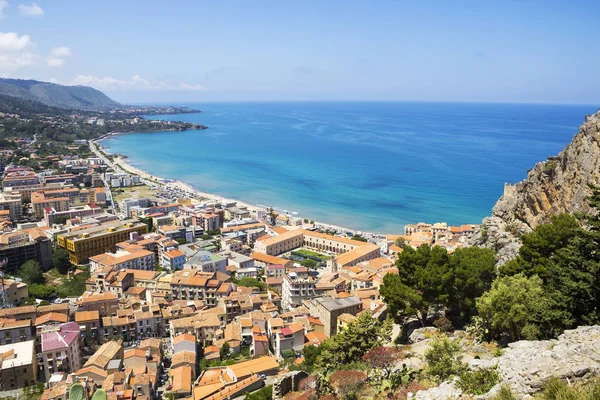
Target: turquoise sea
[(371, 166)]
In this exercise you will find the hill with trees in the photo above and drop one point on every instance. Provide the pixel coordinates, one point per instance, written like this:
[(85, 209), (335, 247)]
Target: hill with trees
[(51, 94)]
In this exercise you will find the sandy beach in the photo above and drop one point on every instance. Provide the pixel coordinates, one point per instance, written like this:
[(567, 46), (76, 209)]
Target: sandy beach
[(121, 163)]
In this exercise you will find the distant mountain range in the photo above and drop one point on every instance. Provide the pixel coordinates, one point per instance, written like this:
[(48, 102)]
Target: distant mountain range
[(74, 97)]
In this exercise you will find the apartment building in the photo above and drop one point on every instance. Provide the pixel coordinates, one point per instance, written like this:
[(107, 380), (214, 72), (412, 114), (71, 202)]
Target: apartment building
[(51, 215), (282, 243), (12, 203), (12, 331), (60, 348), (86, 243), (207, 262), (17, 293), (328, 309), (18, 367), (39, 202), (294, 290), (24, 245), (124, 259)]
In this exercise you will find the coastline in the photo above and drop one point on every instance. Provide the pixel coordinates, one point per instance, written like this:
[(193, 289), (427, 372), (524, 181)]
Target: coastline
[(121, 162)]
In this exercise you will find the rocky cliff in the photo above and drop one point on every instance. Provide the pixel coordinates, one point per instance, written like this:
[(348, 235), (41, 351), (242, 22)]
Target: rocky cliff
[(558, 185)]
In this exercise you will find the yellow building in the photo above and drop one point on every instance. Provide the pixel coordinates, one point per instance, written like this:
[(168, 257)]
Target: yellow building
[(86, 243)]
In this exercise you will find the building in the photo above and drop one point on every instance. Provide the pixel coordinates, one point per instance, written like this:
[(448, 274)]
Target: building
[(40, 202), (86, 243), (12, 331), (17, 293), (60, 348), (51, 215), (127, 204), (282, 243), (124, 259), (237, 259), (173, 259), (13, 204), (18, 367), (21, 246), (89, 325), (328, 309), (295, 289), (207, 262)]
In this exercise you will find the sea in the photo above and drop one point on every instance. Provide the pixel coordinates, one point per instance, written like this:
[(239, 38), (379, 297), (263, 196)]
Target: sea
[(367, 166)]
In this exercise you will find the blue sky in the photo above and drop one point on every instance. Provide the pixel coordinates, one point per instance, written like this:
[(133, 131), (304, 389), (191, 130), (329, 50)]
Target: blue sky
[(151, 51)]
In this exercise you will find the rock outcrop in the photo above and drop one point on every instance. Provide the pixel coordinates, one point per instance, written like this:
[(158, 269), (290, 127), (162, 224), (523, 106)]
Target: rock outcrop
[(561, 184), (526, 366)]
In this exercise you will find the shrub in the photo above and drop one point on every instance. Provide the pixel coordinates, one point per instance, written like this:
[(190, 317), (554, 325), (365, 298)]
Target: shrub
[(444, 359), (479, 381), (504, 394), (347, 383), (443, 324)]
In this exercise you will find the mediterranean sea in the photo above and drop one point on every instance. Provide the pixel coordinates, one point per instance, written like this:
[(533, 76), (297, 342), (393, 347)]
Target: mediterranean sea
[(371, 166)]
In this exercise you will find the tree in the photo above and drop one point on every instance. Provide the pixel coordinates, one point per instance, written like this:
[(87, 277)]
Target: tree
[(444, 359), (514, 308), (566, 258), (60, 260), (224, 352), (423, 281), (266, 393), (472, 272), (251, 282), (351, 344), (31, 272), (359, 238), (40, 291), (383, 358), (309, 263)]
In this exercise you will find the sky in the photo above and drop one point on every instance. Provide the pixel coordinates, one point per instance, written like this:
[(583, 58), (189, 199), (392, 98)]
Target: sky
[(527, 51)]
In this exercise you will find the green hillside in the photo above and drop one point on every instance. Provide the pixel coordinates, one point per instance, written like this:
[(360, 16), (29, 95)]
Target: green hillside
[(76, 97)]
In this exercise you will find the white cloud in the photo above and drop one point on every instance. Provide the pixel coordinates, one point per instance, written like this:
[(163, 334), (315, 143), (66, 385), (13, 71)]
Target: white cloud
[(135, 83), (10, 62), (61, 51), (56, 62), (3, 5), (57, 56), (11, 41), (31, 11), (15, 52)]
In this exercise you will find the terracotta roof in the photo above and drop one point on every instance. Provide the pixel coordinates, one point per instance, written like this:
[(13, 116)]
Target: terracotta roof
[(184, 358), (50, 317), (182, 379), (267, 259), (184, 337), (255, 366), (86, 316)]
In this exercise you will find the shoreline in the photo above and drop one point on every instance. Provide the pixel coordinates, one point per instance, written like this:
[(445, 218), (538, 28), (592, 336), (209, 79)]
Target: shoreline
[(121, 161)]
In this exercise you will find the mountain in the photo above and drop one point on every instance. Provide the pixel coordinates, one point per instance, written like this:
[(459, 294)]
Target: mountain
[(75, 97), (561, 184)]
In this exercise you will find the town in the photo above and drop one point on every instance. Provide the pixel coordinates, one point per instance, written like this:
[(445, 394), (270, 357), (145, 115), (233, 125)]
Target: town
[(122, 285)]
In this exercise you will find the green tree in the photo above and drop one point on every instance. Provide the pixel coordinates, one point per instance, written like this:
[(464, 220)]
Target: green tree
[(444, 359), (60, 260), (514, 308), (266, 393), (351, 344), (251, 282), (309, 263), (472, 272), (31, 272), (423, 281), (566, 258), (40, 291), (224, 352)]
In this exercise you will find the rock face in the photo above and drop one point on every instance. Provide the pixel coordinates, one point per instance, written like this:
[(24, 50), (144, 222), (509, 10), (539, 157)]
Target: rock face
[(525, 366), (558, 185)]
